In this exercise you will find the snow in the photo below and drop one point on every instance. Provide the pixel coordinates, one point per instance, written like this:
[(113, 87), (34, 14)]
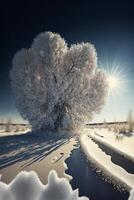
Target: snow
[(57, 158), (3, 133), (33, 152), (131, 196), (27, 185), (103, 161), (125, 146)]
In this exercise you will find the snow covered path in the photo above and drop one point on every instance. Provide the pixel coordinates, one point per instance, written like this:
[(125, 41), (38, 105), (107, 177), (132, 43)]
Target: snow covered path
[(123, 145), (103, 161)]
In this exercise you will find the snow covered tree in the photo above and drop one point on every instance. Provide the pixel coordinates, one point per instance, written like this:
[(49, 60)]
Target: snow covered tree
[(1, 123), (130, 121), (57, 86), (8, 125)]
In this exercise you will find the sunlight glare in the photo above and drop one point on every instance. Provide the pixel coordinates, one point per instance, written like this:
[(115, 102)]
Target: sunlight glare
[(117, 81), (113, 82)]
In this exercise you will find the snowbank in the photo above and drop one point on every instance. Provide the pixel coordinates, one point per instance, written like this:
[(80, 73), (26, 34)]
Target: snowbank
[(131, 197), (28, 186), (103, 161), (125, 146)]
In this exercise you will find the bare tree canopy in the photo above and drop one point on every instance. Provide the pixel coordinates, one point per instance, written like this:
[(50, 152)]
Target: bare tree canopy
[(57, 86)]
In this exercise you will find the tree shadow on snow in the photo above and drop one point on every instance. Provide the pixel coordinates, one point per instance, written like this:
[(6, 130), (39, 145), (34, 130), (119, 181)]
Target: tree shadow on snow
[(30, 147)]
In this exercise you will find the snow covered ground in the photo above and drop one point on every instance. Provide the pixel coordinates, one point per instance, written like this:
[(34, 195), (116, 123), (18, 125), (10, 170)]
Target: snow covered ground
[(3, 133), (34, 152), (119, 142), (103, 161)]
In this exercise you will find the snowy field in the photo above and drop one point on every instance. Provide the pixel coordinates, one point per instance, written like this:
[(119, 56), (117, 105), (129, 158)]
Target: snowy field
[(44, 152), (38, 152), (103, 161), (7, 133)]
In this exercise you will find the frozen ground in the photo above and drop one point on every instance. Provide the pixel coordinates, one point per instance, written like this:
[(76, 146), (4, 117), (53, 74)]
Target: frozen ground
[(103, 161), (119, 142), (34, 152)]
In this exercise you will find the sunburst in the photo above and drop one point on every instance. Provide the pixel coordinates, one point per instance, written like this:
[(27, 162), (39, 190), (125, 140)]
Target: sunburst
[(117, 80)]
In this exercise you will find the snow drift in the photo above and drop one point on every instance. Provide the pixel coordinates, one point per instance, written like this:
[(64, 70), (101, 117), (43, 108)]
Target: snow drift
[(28, 186), (131, 197), (55, 85)]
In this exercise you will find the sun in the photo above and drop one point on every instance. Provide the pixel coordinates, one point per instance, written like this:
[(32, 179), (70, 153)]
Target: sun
[(116, 78), (113, 82)]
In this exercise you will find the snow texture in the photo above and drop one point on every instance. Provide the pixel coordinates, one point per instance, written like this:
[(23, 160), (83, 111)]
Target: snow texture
[(57, 86), (103, 161), (131, 197), (28, 186), (125, 147)]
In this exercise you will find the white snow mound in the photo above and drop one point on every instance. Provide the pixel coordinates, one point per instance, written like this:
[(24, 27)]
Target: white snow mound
[(131, 197), (27, 185)]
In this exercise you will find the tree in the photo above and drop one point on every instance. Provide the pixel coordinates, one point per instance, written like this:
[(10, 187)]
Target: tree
[(8, 125), (130, 121), (57, 86), (1, 123)]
